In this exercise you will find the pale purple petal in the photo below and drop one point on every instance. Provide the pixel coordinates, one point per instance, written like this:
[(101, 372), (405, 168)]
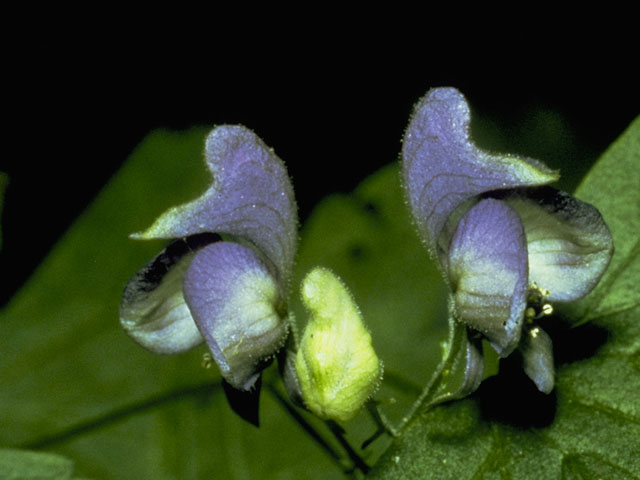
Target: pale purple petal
[(442, 167), (238, 307), (488, 273), (537, 357), (153, 311), (250, 197), (568, 242)]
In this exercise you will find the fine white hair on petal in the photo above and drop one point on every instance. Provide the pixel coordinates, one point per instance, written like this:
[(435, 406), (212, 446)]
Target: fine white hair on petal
[(442, 167), (250, 197)]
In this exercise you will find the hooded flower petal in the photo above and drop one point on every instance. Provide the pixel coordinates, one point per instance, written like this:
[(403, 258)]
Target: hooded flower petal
[(238, 307), (250, 197), (537, 357), (488, 272), (569, 244), (442, 168), (153, 311)]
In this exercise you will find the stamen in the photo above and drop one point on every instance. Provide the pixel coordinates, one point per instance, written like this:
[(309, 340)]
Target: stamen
[(536, 305), (207, 361), (530, 313)]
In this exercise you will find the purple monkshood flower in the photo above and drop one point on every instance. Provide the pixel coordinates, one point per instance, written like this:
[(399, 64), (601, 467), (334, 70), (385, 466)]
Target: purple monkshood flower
[(225, 276), (507, 244)]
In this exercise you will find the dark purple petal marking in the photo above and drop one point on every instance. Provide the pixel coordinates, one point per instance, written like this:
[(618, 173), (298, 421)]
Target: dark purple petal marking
[(237, 305), (442, 168), (568, 242), (250, 197), (152, 310), (488, 273), (537, 357)]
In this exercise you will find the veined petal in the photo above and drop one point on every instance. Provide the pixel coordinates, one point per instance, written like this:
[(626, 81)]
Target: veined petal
[(537, 357), (488, 273), (442, 167), (336, 366), (250, 197), (237, 305), (568, 242), (153, 311)]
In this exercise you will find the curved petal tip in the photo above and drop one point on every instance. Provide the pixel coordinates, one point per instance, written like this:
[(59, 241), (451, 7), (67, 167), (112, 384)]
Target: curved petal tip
[(237, 305)]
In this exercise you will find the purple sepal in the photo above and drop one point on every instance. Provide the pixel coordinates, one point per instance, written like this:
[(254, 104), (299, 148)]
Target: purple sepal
[(239, 309), (442, 167), (488, 272), (250, 197)]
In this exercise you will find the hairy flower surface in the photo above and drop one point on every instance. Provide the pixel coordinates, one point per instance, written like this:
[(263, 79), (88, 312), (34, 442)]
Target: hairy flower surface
[(225, 276), (507, 244), (336, 366)]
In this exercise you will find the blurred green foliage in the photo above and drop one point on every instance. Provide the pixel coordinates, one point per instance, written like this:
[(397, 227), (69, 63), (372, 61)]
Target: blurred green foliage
[(25, 465), (74, 384)]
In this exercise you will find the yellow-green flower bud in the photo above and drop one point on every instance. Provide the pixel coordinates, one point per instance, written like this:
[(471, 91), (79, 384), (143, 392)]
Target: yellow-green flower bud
[(336, 365)]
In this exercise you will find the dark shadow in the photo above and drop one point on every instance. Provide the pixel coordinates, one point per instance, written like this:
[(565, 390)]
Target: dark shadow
[(512, 398), (371, 208), (572, 344), (246, 404), (357, 253)]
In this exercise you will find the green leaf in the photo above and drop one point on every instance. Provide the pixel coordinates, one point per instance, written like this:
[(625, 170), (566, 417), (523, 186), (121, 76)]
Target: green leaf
[(25, 465), (589, 427), (613, 185), (74, 383)]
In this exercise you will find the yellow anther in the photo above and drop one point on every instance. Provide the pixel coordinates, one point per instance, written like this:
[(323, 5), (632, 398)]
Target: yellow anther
[(207, 360)]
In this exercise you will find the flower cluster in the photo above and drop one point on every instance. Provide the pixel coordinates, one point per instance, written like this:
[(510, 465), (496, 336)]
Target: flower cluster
[(225, 279), (507, 244)]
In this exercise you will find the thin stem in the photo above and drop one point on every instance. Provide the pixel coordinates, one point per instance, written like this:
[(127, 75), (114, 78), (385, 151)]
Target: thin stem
[(338, 432), (381, 421), (121, 413), (428, 395), (306, 426)]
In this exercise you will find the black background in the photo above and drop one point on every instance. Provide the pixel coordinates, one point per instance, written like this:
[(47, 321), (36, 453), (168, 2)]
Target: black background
[(333, 115)]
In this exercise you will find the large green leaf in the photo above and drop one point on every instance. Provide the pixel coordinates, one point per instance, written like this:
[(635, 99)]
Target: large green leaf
[(75, 384), (614, 186), (72, 381), (589, 427)]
